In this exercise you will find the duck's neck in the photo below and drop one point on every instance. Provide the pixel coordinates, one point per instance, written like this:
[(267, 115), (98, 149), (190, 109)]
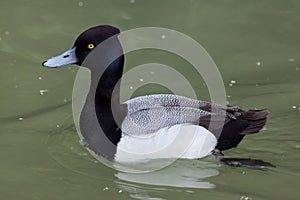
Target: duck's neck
[(102, 111), (107, 100), (108, 86)]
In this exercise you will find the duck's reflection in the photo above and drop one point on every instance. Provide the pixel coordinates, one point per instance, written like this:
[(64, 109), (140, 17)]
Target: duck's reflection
[(181, 174)]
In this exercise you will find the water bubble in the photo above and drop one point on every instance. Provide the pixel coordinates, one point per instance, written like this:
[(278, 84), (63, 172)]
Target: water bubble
[(65, 100), (57, 125), (258, 63), (243, 172), (297, 68), (21, 118), (141, 79), (40, 78), (232, 81), (80, 3), (42, 92), (189, 191), (294, 107), (106, 188), (230, 84), (131, 1), (163, 37), (0, 38), (245, 198), (151, 72), (131, 87), (120, 191), (7, 32), (291, 59)]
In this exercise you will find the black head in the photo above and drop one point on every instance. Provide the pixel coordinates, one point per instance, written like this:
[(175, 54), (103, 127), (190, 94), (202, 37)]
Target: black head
[(90, 38), (83, 45)]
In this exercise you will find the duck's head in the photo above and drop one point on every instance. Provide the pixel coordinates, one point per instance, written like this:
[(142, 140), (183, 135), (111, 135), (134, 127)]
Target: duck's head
[(83, 45)]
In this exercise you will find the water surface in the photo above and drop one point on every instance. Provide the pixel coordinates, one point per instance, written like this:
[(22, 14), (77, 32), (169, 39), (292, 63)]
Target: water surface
[(254, 43)]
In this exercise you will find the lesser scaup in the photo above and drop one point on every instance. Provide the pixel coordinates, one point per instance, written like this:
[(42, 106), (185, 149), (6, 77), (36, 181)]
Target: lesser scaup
[(146, 125)]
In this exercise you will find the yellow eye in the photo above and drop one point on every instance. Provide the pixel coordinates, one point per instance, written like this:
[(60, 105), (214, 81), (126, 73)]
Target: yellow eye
[(91, 46)]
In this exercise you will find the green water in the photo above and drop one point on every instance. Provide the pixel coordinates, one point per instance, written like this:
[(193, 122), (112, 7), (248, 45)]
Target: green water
[(255, 43)]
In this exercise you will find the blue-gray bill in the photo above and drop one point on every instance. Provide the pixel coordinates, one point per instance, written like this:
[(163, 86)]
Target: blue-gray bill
[(66, 58)]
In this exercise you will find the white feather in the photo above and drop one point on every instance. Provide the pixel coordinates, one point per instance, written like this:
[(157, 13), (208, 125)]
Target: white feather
[(187, 141)]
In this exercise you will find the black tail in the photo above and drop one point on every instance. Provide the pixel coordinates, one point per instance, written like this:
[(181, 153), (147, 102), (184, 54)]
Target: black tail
[(248, 122), (256, 119)]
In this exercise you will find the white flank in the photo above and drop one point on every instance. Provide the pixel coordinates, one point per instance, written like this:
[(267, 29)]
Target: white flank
[(187, 141)]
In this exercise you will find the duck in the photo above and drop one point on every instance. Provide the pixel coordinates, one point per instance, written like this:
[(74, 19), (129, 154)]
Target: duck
[(154, 126)]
